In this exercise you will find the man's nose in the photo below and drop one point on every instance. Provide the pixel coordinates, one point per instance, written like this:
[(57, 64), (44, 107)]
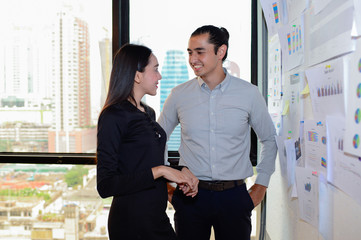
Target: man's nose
[(193, 58)]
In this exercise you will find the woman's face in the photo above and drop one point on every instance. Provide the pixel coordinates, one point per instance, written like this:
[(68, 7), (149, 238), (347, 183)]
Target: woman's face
[(148, 79)]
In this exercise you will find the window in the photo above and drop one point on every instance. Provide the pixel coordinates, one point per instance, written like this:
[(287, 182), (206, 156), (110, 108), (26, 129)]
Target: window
[(55, 58), (54, 65), (15, 213), (165, 27)]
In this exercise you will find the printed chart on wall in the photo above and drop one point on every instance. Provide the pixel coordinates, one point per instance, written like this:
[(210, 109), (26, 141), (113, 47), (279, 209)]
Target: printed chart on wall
[(307, 193), (274, 74), (326, 83), (343, 170), (292, 96), (292, 39), (315, 146), (272, 12), (274, 82), (353, 118)]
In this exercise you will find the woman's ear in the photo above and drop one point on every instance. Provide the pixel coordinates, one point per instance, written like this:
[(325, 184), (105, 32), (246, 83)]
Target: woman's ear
[(138, 77)]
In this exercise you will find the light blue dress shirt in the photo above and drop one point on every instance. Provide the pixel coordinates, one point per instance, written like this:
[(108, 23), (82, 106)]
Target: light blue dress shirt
[(215, 129)]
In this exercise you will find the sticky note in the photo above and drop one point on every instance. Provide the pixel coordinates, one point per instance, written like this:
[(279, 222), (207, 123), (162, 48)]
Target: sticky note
[(286, 108), (306, 90)]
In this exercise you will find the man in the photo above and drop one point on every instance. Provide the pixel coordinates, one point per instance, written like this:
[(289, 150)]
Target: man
[(215, 111)]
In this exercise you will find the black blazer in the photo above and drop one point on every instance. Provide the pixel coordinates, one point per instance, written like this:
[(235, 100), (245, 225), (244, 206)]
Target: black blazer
[(130, 143)]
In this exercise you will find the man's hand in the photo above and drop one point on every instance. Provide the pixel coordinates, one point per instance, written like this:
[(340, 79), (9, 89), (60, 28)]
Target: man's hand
[(187, 190), (257, 193)]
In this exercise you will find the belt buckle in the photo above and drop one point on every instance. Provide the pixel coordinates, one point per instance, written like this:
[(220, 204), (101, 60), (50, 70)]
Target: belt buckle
[(218, 186)]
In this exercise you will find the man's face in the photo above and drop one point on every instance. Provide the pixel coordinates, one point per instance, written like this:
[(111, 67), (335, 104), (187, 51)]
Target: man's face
[(202, 57)]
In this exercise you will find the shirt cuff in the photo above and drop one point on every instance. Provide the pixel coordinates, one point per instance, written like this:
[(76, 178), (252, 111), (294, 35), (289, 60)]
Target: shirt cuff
[(263, 179)]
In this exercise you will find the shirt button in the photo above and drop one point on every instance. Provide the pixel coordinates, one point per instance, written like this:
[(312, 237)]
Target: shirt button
[(212, 130), (212, 148), (212, 113)]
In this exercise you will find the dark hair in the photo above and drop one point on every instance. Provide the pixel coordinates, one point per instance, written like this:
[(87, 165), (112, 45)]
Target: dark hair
[(217, 36), (128, 59)]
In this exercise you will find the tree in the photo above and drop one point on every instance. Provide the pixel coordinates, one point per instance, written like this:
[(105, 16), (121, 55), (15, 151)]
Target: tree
[(75, 175)]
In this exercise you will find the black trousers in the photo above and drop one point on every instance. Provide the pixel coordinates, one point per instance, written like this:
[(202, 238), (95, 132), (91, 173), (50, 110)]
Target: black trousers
[(228, 211)]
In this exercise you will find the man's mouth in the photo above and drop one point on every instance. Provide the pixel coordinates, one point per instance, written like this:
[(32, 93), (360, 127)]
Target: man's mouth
[(197, 67)]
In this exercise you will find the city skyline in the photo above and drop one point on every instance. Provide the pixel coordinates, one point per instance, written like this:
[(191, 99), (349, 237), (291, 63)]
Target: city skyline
[(45, 85)]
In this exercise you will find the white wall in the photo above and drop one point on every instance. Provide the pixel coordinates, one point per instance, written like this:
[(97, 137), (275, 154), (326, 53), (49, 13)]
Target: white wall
[(339, 214)]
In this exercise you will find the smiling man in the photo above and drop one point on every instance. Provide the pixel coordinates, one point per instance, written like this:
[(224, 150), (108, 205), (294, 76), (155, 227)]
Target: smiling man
[(215, 111)]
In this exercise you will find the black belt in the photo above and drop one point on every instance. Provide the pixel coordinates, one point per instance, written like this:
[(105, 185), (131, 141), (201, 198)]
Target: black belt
[(219, 185)]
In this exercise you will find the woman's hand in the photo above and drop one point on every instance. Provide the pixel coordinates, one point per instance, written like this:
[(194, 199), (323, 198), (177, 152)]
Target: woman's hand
[(186, 181), (185, 188)]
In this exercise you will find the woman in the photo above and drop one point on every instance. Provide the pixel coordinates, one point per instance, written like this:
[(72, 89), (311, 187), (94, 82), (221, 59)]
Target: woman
[(130, 152)]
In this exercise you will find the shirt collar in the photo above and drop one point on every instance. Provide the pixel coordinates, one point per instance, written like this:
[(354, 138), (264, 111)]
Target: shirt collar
[(222, 86)]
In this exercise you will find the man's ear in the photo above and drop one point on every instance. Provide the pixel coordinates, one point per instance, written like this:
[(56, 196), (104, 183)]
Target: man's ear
[(222, 51), (138, 77)]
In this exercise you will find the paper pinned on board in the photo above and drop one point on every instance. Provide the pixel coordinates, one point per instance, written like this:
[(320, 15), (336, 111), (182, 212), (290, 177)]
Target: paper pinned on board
[(286, 108), (292, 43), (315, 145), (357, 5), (295, 8), (272, 11), (307, 192), (330, 31), (289, 145), (326, 84), (319, 5), (343, 170), (353, 117)]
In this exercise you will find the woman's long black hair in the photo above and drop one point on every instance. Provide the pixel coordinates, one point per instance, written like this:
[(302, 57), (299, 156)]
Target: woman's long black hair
[(129, 59)]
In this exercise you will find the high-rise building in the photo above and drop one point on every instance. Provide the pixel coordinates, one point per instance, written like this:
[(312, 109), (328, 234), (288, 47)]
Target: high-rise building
[(71, 73), (174, 72), (71, 78), (20, 61), (17, 73)]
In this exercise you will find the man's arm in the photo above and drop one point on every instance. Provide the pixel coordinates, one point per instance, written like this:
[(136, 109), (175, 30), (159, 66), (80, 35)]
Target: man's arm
[(261, 122)]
